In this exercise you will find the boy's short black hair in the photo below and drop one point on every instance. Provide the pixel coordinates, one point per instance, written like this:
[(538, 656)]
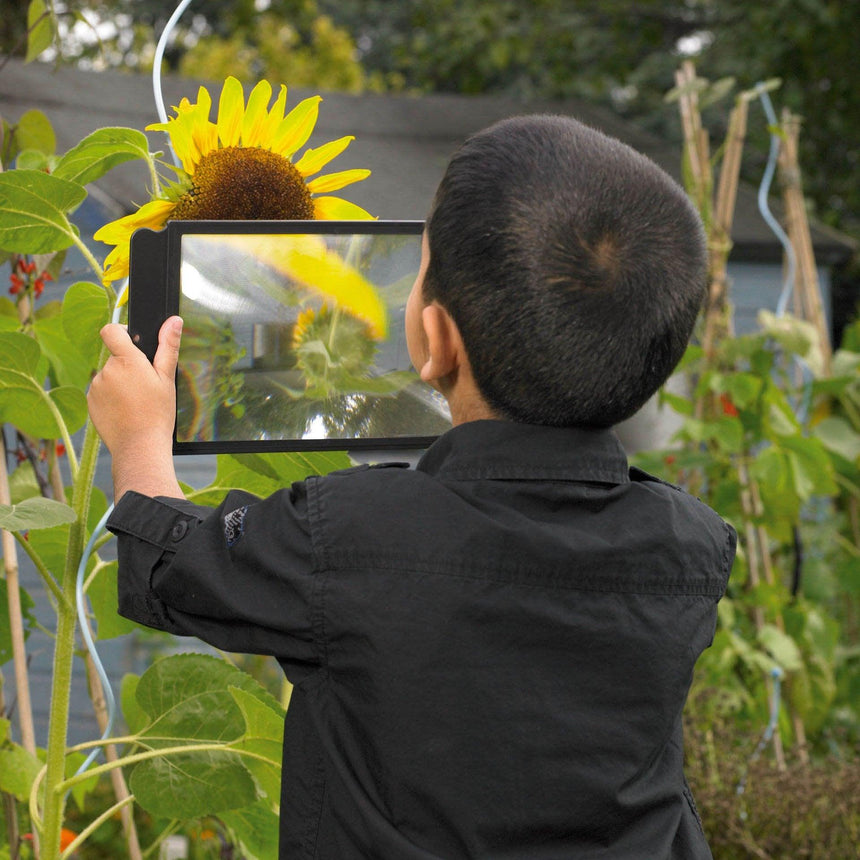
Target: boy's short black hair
[(573, 266)]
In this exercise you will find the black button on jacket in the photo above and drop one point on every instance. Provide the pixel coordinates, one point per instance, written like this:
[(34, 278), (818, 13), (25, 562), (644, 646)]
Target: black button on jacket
[(490, 652)]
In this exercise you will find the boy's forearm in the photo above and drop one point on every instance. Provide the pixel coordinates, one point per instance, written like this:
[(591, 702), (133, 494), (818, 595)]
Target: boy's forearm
[(148, 472)]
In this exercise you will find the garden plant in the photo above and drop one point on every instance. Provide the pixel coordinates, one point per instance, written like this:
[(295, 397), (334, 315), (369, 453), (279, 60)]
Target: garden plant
[(770, 437)]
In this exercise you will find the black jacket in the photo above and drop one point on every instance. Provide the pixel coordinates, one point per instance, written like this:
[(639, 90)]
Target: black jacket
[(491, 652)]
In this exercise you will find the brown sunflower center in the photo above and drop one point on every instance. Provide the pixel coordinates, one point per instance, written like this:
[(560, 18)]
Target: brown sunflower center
[(245, 183)]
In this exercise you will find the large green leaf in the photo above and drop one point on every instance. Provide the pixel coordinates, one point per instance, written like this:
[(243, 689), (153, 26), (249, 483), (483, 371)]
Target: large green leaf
[(264, 733), (100, 151), (20, 353), (188, 699), (86, 308), (34, 207), (135, 717), (23, 401), (286, 468), (68, 365), (35, 513), (264, 474), (191, 785), (72, 404), (182, 693)]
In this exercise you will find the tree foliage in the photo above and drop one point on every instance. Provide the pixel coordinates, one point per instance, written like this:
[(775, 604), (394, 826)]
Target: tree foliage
[(623, 52)]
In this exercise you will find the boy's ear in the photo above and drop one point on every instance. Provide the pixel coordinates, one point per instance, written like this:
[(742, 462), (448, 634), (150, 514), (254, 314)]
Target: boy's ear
[(444, 344)]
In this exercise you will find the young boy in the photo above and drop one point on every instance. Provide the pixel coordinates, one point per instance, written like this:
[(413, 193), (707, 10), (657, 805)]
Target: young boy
[(490, 652)]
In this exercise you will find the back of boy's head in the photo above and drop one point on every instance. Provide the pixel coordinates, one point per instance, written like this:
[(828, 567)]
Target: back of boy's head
[(573, 266)]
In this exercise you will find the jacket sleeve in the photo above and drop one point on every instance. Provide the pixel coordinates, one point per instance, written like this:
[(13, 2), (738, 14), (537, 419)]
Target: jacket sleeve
[(240, 577)]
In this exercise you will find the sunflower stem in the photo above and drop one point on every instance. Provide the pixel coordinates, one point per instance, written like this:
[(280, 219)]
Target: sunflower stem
[(88, 256)]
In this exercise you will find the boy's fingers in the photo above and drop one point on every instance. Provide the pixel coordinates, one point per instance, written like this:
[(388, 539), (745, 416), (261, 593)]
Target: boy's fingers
[(117, 340), (167, 354)]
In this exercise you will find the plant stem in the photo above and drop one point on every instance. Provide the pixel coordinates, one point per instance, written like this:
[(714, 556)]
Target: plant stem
[(47, 577), (159, 752), (64, 647), (88, 256), (94, 825)]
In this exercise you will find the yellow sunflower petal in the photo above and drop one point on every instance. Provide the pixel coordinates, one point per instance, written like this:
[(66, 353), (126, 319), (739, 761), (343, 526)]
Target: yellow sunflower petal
[(274, 119), (334, 279), (256, 114), (335, 209), (315, 160), (116, 265), (203, 132), (296, 127), (336, 181), (231, 111), (184, 145), (153, 215)]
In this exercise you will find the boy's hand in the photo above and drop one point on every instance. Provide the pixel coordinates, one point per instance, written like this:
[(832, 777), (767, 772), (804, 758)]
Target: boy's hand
[(132, 404)]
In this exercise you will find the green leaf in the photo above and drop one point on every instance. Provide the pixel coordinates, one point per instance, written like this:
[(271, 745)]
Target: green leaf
[(191, 785), (33, 159), (781, 647), (18, 771), (23, 483), (86, 308), (68, 364), (27, 605), (40, 29), (51, 544), (682, 405), (188, 698), (812, 469), (256, 828), (264, 732), (80, 790), (287, 468), (34, 207), (264, 474), (34, 131), (35, 513), (72, 403), (771, 471), (99, 152), (135, 717), (743, 388), (168, 690), (20, 353), (104, 599), (836, 434)]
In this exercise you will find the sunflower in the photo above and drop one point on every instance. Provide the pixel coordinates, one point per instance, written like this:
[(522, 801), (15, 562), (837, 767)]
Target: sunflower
[(240, 168)]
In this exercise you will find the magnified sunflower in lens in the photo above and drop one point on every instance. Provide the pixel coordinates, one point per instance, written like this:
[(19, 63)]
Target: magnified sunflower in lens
[(240, 167)]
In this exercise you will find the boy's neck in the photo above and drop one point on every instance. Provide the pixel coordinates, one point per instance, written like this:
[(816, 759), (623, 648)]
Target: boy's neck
[(465, 400)]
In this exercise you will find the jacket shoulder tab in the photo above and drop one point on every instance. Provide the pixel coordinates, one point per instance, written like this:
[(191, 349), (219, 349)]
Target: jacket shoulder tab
[(640, 475), (367, 467)]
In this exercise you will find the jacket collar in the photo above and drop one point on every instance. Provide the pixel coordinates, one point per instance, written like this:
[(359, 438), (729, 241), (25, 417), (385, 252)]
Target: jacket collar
[(509, 450)]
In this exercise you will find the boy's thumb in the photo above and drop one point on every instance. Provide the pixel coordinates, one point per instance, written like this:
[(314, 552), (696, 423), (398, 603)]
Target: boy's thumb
[(167, 354)]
